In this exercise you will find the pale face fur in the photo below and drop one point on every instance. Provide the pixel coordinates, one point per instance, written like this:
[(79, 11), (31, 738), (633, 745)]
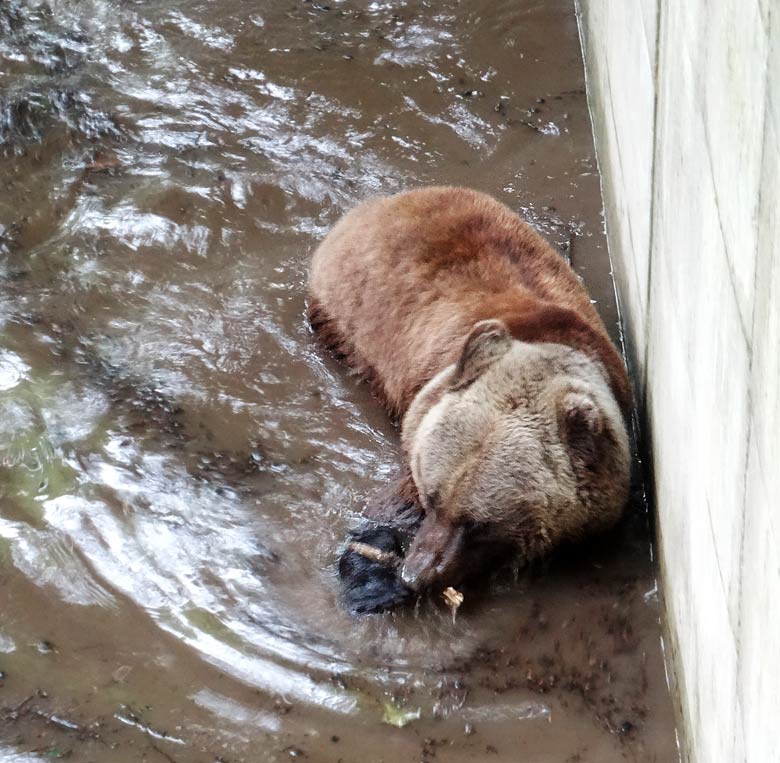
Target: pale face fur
[(523, 441)]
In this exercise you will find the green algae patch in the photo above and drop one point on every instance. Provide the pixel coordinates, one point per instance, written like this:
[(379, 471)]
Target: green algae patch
[(207, 622), (394, 715), (33, 474), (41, 418), (6, 559)]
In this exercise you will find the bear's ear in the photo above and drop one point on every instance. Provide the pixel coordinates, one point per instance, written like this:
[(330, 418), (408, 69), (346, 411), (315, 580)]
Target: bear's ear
[(487, 342), (582, 424)]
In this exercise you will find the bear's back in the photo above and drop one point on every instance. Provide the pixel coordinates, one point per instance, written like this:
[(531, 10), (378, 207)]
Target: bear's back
[(399, 281)]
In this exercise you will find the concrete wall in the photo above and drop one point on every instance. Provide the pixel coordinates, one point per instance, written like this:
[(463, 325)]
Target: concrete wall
[(685, 96)]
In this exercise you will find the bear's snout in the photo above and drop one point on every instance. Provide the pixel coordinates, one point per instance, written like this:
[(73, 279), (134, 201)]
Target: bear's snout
[(434, 553)]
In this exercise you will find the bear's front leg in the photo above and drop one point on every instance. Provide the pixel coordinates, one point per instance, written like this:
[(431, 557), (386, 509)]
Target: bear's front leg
[(370, 567)]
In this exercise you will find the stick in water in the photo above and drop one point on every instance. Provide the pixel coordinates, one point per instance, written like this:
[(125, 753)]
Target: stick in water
[(374, 554)]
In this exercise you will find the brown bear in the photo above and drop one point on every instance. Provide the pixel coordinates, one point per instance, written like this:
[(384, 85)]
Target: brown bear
[(481, 340)]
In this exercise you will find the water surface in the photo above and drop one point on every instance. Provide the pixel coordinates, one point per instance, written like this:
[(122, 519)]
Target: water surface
[(179, 460)]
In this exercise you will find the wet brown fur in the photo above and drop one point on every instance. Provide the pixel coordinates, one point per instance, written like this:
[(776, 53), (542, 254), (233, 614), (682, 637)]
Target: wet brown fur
[(396, 288), (465, 258)]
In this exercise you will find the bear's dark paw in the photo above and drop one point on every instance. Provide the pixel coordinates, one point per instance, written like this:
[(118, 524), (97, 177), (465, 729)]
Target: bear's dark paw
[(369, 570)]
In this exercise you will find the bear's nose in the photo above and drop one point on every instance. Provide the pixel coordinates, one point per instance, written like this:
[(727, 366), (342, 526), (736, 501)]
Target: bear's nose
[(433, 554)]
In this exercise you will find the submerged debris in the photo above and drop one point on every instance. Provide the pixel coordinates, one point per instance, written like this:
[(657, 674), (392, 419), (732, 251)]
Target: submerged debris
[(33, 33), (27, 117), (104, 161), (394, 715)]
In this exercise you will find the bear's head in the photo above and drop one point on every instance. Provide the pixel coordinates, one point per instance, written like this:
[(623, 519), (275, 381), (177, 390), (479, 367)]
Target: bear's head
[(515, 442)]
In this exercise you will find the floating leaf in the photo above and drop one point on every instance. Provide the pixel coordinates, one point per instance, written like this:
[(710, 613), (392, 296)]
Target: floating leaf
[(399, 716), (454, 599)]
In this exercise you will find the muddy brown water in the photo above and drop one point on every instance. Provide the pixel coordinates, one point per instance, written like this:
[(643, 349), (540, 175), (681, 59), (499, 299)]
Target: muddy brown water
[(180, 462)]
